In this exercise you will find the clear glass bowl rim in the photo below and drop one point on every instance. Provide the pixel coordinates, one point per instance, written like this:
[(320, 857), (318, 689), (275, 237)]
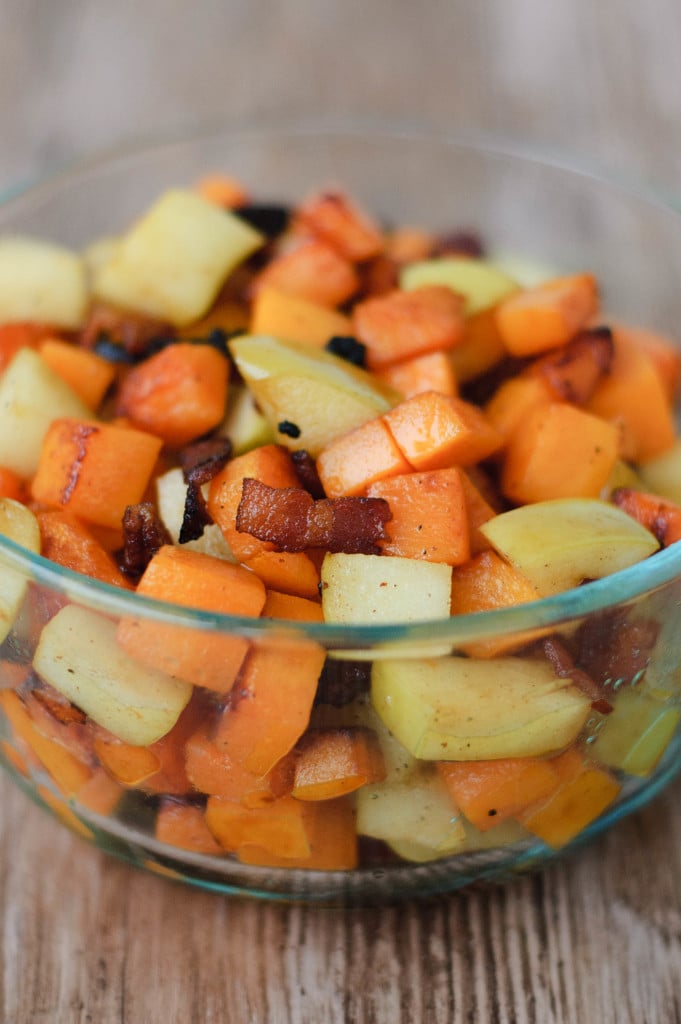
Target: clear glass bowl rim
[(632, 583)]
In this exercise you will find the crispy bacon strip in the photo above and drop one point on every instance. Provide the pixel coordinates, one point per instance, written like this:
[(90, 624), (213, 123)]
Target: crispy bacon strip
[(143, 534), (200, 463), (563, 665), (291, 520)]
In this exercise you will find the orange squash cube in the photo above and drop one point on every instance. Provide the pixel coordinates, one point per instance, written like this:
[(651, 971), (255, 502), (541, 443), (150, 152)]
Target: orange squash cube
[(400, 325), (435, 431), (354, 461)]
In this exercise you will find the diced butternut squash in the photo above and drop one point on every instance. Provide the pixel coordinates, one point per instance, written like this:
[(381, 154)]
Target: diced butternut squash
[(428, 516), (84, 371), (178, 394), (128, 764), (401, 325), (292, 318), (489, 792), (278, 828), (480, 348), (331, 835), (94, 470), (433, 371), (67, 541), (514, 401), (19, 335), (332, 762), (292, 607), (212, 770), (222, 190), (210, 659), (478, 511), (435, 431), (313, 270), (184, 825), (334, 217), (11, 485), (548, 315), (559, 451), (356, 460)]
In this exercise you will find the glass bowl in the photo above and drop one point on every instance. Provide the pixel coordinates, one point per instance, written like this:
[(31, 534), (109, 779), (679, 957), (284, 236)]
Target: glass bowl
[(549, 216)]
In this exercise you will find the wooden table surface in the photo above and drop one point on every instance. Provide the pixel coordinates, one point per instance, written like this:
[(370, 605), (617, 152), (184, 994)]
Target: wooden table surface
[(594, 940)]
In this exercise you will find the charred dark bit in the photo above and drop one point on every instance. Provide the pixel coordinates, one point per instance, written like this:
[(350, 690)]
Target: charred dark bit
[(144, 533), (563, 665), (271, 219), (291, 520), (288, 428), (347, 347), (200, 462), (342, 682), (306, 470)]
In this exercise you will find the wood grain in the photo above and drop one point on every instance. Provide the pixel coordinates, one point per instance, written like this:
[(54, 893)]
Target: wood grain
[(85, 939)]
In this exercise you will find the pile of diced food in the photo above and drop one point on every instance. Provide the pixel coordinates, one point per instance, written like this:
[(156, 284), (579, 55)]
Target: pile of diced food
[(295, 413)]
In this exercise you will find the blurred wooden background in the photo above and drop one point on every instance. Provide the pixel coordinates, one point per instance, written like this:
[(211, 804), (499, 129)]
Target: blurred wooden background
[(85, 940)]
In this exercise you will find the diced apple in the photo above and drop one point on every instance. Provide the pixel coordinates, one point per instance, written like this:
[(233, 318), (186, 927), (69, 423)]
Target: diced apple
[(384, 588), (244, 425), (558, 544), (481, 282), (313, 394), (460, 709), (31, 397), (41, 282), (171, 494), (419, 811), (636, 733), (79, 656), (526, 271), (20, 525), (172, 261), (505, 834), (663, 474)]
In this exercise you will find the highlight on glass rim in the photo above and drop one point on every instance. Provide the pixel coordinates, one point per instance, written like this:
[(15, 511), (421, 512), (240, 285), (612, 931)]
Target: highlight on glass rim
[(313, 526)]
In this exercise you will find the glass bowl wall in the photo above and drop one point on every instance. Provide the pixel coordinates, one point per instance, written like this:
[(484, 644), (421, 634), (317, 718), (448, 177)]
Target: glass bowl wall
[(546, 214)]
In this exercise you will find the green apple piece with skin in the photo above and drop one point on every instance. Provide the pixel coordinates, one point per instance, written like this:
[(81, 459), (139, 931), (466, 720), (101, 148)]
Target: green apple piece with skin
[(244, 425), (419, 810), (462, 709), (558, 544), (635, 735), (662, 475), (479, 281), (173, 260), (31, 396), (320, 395), (171, 494), (19, 525), (41, 282), (78, 654)]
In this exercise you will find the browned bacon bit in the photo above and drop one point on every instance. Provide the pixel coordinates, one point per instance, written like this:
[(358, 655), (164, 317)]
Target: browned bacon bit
[(291, 520), (143, 534), (615, 647), (573, 372), (306, 470), (660, 516), (122, 337), (563, 665), (342, 681), (460, 243), (200, 462)]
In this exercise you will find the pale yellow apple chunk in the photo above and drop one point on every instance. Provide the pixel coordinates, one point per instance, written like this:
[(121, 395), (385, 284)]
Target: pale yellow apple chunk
[(318, 395), (20, 525), (171, 496), (662, 475), (479, 281), (419, 811), (384, 588), (172, 261), (558, 544), (79, 656), (41, 282), (461, 709), (31, 397)]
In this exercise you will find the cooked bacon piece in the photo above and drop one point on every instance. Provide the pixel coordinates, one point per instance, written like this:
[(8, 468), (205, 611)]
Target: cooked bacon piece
[(660, 516), (615, 647), (306, 470), (574, 371), (291, 520), (342, 681), (143, 534), (200, 463), (130, 337), (564, 666)]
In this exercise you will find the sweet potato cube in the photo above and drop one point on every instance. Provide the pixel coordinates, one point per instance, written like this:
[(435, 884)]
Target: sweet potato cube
[(433, 371), (313, 270), (95, 470), (340, 222), (401, 325), (354, 461), (436, 431), (478, 511), (548, 315), (278, 828), (514, 400), (196, 580), (212, 770), (332, 762), (184, 825), (429, 518), (331, 835), (292, 318), (88, 374), (480, 348), (489, 792), (559, 451), (67, 541)]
